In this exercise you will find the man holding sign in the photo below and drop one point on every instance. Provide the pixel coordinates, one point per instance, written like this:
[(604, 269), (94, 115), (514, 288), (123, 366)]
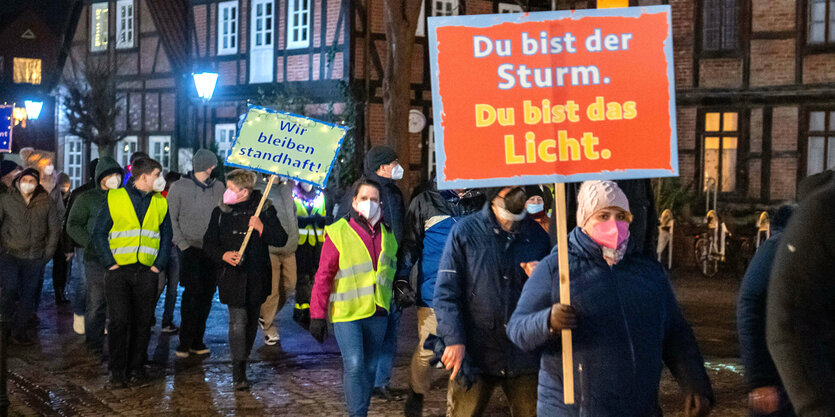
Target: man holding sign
[(487, 258), (627, 323)]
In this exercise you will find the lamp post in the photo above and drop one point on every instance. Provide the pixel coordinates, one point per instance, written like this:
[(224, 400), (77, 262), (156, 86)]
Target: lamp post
[(205, 83), (33, 109)]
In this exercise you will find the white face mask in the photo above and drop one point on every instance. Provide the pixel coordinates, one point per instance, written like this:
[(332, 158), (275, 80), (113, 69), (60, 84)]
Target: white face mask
[(49, 169), (113, 182), (26, 187), (370, 210), (397, 172), (159, 184)]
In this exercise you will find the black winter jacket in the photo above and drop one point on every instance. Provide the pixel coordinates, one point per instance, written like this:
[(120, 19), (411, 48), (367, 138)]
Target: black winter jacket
[(478, 285), (29, 231), (226, 232)]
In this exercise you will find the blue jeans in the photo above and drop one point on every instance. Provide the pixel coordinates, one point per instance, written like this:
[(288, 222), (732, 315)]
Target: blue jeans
[(359, 342), (168, 280), (96, 316), (388, 349), (77, 291), (20, 280)]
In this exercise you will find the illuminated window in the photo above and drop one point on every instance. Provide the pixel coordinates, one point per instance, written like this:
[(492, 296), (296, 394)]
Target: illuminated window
[(27, 70), (98, 27), (73, 152), (125, 148), (224, 136), (160, 150), (721, 140), (124, 24), (510, 8)]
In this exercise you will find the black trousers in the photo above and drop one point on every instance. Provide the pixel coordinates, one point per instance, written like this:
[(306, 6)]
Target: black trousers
[(198, 276), (131, 294), (243, 326), (60, 265)]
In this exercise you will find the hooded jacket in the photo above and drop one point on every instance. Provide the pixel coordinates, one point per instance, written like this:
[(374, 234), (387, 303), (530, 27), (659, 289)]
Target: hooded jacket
[(628, 326), (29, 231), (430, 218), (478, 284), (226, 230), (281, 195), (81, 219), (190, 203)]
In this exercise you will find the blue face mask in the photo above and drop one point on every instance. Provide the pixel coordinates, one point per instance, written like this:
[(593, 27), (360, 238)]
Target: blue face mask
[(535, 208)]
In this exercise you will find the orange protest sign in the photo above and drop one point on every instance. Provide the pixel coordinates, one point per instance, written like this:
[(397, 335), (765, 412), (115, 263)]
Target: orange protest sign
[(553, 96)]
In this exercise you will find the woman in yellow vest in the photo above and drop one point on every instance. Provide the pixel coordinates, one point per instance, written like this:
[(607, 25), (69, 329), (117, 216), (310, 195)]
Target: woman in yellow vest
[(353, 287)]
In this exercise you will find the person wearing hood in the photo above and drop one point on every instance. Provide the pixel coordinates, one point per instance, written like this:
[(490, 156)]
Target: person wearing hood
[(311, 216), (77, 281), (282, 259), (80, 224), (61, 260), (132, 238), (191, 201), (8, 172), (626, 321), (430, 218), (538, 205), (353, 288), (29, 233), (244, 278), (487, 258), (767, 396)]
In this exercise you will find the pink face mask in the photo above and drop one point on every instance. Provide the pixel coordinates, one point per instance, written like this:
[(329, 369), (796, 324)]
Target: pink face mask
[(230, 197), (611, 234)]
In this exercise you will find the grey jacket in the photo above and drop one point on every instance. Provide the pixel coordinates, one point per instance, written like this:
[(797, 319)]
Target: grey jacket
[(281, 196), (29, 231), (190, 204)]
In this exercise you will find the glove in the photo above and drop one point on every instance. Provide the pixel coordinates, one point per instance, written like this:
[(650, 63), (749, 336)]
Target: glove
[(696, 405), (319, 329), (404, 295), (562, 317)]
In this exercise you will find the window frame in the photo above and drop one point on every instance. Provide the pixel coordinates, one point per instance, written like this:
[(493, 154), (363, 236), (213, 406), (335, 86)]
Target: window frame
[(104, 45), (740, 182), (807, 48), (122, 156), (737, 52), (455, 7), (74, 148), (234, 34), (221, 128), (37, 62), (509, 8), (291, 11), (271, 31), (130, 21), (261, 63), (807, 132)]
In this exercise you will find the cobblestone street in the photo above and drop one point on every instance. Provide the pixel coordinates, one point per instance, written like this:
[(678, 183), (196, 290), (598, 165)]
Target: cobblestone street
[(299, 377)]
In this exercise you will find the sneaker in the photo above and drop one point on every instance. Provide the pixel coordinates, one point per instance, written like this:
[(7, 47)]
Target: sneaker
[(262, 323), (181, 351), (170, 328), (242, 385), (271, 336), (78, 323), (140, 378), (200, 349)]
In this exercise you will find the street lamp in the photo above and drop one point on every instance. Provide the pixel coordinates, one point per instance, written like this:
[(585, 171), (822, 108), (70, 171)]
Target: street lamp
[(205, 83), (33, 109)]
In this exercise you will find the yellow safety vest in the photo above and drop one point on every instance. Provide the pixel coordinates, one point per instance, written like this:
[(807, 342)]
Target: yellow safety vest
[(129, 242), (358, 288), (311, 234)]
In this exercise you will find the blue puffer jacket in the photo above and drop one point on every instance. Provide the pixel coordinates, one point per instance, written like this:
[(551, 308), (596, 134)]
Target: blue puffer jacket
[(478, 284), (629, 326)]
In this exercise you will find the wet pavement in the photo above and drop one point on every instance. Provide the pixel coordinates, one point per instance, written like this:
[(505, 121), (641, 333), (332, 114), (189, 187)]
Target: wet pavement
[(59, 377)]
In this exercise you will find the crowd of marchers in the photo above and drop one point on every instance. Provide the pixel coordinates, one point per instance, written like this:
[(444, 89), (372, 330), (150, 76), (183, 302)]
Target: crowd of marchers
[(479, 265)]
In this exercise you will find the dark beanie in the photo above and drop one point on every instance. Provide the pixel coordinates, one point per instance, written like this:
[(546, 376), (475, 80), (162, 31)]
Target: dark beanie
[(31, 172), (203, 160), (7, 166), (532, 190), (379, 155)]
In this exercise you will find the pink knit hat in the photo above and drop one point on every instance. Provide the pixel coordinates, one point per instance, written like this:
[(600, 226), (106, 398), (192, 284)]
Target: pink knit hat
[(596, 195)]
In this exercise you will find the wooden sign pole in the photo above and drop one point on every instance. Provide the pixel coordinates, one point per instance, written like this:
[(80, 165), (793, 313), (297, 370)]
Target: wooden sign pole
[(258, 212), (565, 294)]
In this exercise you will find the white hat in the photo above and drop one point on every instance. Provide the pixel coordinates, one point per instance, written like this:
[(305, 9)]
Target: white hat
[(597, 195)]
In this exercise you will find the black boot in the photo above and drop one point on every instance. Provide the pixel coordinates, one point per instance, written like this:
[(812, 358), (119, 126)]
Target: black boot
[(239, 376), (414, 404)]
